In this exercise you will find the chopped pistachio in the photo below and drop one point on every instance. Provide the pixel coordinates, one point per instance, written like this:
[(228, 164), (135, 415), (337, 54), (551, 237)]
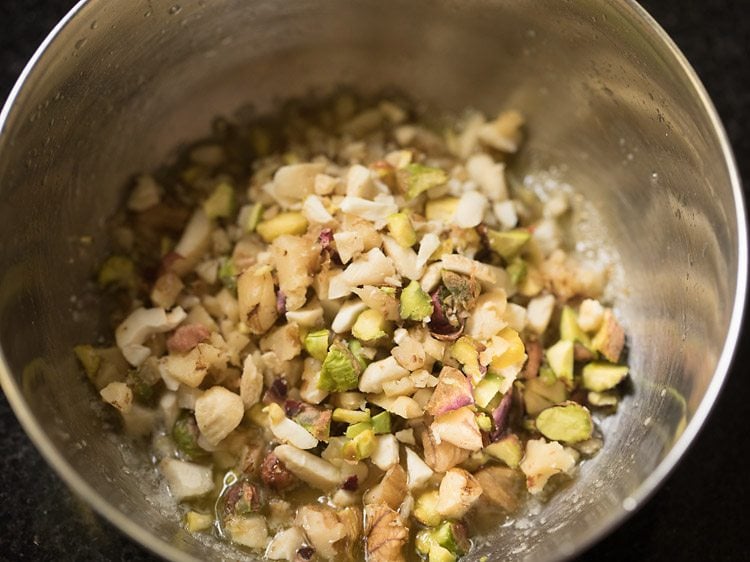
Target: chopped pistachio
[(117, 270), (534, 403), (221, 202), (508, 244), (602, 399), (316, 343), (196, 522), (424, 540), (254, 217), (356, 428), (539, 396), (355, 347), (547, 375), (370, 325), (185, 435), (400, 228), (560, 359), (569, 423), (228, 274), (569, 329), (316, 421), (517, 271), (284, 223), (484, 422), (341, 369), (440, 554), (600, 376), (442, 209), (414, 303), (425, 509), (508, 450), (465, 351), (88, 358), (487, 389), (381, 423), (258, 416), (449, 537), (361, 447), (554, 391), (350, 416), (275, 413), (416, 178)]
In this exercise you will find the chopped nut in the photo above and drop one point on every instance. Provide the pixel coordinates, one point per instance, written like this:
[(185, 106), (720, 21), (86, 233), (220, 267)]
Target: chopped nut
[(501, 486), (458, 492), (386, 534), (570, 422), (610, 339)]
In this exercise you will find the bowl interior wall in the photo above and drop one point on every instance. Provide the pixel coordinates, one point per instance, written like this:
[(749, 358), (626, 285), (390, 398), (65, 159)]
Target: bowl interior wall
[(125, 83)]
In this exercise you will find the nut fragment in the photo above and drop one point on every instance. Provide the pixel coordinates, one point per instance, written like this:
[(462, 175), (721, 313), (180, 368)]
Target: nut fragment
[(570, 423), (386, 534), (275, 474)]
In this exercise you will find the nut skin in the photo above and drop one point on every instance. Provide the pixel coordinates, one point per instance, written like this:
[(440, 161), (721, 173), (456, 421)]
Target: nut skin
[(275, 474), (534, 352), (185, 338)]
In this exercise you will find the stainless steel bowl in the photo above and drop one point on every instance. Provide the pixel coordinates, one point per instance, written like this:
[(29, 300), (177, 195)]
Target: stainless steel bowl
[(611, 103)]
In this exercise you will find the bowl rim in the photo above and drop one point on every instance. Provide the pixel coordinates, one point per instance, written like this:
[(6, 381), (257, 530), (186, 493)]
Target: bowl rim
[(646, 24)]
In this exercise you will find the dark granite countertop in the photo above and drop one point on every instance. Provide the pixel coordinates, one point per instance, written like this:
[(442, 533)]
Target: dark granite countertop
[(700, 513)]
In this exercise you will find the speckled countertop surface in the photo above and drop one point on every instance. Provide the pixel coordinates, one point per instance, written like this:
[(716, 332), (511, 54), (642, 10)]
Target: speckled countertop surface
[(700, 513)]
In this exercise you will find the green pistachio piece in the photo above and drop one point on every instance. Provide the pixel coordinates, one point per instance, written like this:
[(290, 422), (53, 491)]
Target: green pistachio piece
[(508, 449), (424, 541), (414, 303), (539, 396), (508, 244), (517, 271), (316, 421), (425, 509), (416, 178), (356, 428), (400, 228), (341, 369), (603, 399), (292, 223), (185, 435), (451, 536), (487, 389), (228, 274), (316, 344), (355, 346), (88, 358), (560, 358), (465, 351), (381, 423), (370, 325), (484, 422), (442, 210), (440, 554), (570, 423), (599, 376), (221, 202), (361, 447), (547, 375), (569, 329), (254, 217), (350, 416), (555, 391), (117, 270)]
